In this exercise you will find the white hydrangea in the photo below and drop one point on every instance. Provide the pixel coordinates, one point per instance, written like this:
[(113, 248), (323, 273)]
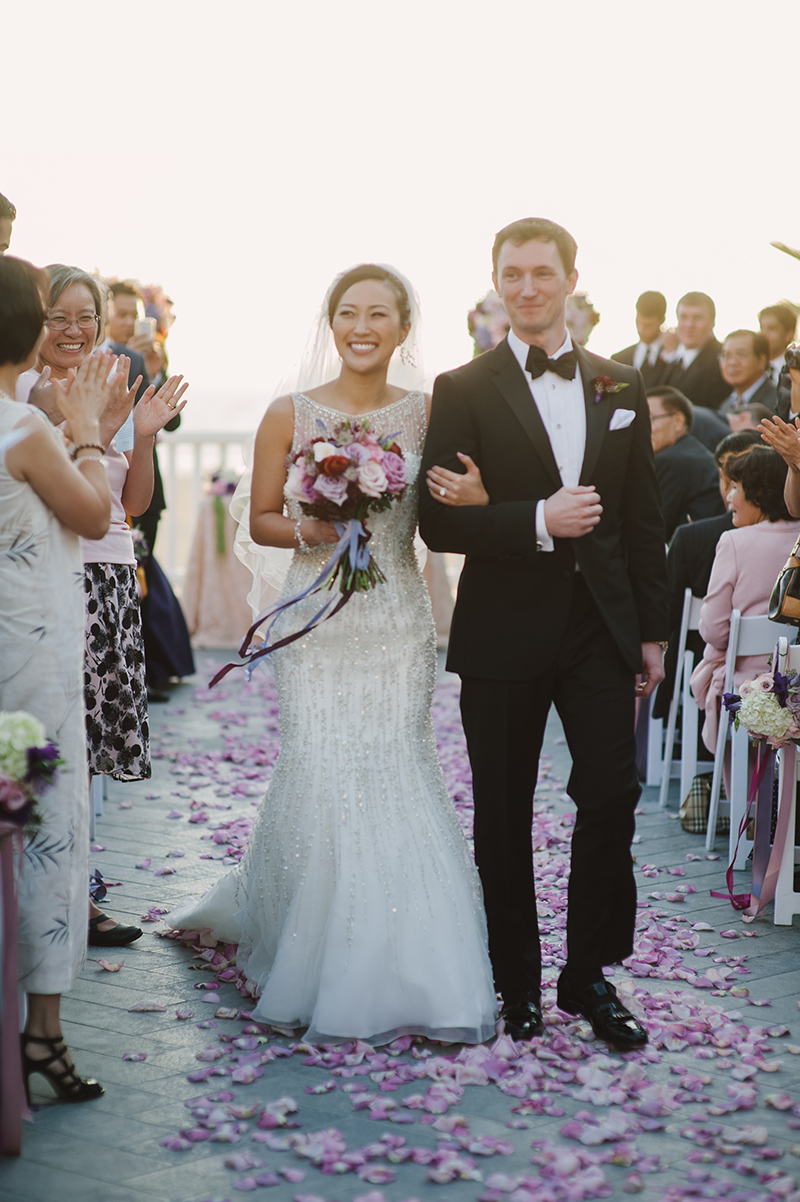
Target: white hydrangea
[(761, 714), (18, 732)]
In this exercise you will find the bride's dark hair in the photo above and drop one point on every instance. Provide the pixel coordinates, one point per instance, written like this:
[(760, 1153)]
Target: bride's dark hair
[(370, 271)]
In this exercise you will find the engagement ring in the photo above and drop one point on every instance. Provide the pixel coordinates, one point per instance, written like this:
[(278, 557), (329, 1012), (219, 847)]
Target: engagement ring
[(442, 492)]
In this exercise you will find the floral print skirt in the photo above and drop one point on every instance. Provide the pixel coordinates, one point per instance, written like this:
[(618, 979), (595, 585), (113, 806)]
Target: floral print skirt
[(117, 731)]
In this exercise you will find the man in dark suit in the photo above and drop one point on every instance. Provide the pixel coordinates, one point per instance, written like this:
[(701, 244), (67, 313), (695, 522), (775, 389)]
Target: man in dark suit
[(744, 362), (651, 309), (689, 561), (695, 366), (687, 477), (562, 600)]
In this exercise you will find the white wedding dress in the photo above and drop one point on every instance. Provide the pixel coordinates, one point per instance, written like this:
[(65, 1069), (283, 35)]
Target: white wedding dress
[(357, 906)]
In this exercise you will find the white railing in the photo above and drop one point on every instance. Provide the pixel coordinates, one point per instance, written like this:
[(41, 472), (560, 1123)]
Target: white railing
[(186, 458)]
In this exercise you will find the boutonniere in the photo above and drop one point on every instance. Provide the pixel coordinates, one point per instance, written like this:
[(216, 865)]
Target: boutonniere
[(605, 386)]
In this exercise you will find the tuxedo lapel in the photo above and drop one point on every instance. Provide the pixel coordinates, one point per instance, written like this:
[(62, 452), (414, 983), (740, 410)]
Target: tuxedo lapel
[(510, 381), (597, 417)]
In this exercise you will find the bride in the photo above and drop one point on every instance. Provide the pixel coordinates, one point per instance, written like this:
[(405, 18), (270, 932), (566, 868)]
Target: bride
[(357, 907)]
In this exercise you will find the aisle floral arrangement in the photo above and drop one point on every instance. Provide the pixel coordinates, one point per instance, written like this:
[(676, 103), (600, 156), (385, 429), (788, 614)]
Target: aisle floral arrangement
[(221, 485), (768, 707), (28, 764)]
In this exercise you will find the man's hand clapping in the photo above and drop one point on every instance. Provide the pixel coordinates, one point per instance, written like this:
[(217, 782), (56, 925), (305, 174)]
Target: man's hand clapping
[(572, 512)]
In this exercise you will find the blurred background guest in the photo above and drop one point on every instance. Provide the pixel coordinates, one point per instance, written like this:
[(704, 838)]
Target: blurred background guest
[(746, 565), (744, 363), (778, 324), (694, 366), (748, 418), (687, 475), (48, 499), (487, 323), (651, 309), (7, 216)]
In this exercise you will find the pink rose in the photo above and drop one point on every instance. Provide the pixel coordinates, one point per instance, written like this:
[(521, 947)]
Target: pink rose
[(12, 795), (375, 450), (764, 683), (333, 488), (394, 469), (372, 478), (293, 489)]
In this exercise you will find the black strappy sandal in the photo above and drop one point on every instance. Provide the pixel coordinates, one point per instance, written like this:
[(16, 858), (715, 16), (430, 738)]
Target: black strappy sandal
[(67, 1084)]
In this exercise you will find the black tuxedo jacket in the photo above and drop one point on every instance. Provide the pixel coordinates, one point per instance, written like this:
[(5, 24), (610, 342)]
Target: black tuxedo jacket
[(689, 483), (689, 562), (652, 373), (702, 380), (513, 600), (765, 394)]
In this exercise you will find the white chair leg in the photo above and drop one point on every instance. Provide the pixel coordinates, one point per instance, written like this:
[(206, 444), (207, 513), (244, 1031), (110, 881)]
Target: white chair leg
[(716, 781), (689, 729), (655, 734), (787, 902), (669, 747), (738, 800)]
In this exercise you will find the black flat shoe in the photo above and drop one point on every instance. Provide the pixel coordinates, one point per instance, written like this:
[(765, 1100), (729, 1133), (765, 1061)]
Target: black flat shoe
[(67, 1084), (610, 1021), (118, 936), (523, 1019)]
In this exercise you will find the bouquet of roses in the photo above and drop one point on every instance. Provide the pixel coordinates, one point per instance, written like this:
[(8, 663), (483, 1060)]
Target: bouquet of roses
[(28, 764), (342, 477), (768, 707)]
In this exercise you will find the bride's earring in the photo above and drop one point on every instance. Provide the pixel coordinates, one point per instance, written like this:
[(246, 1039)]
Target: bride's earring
[(405, 356)]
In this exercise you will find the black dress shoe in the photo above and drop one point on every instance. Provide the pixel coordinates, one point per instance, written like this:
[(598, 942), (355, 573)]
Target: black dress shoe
[(523, 1019), (118, 936), (610, 1020), (156, 696)]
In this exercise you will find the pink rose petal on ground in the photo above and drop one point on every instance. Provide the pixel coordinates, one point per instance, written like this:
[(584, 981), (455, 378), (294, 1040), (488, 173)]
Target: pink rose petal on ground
[(134, 1055), (165, 871), (183, 1012), (145, 1007), (144, 863), (110, 967), (174, 814)]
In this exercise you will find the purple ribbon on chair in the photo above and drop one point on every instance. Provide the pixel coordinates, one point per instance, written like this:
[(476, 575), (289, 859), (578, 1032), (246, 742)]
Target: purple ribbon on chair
[(760, 794), (352, 544)]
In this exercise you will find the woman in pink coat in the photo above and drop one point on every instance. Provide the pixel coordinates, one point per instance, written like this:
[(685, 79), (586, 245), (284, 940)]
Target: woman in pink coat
[(746, 565)]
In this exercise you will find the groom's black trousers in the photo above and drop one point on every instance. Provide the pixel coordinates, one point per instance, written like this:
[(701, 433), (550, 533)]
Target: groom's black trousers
[(504, 720)]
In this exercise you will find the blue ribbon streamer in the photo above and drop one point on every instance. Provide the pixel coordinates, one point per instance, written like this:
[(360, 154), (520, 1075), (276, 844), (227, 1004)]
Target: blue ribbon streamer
[(353, 540)]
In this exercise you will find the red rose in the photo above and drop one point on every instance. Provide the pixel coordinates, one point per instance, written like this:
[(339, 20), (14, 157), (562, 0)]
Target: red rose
[(334, 465)]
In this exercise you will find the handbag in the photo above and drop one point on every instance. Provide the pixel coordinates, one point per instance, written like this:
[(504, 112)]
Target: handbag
[(784, 602), (695, 806)]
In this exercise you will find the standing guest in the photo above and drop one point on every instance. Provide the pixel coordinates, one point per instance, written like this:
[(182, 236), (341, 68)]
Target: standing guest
[(694, 367), (778, 324), (689, 561), (687, 477), (747, 561), (646, 354), (708, 427), (581, 317), (48, 500), (744, 362), (564, 584), (7, 217), (784, 437), (117, 728)]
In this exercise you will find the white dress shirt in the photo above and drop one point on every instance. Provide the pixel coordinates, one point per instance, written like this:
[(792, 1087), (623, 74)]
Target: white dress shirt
[(687, 356), (646, 352), (775, 367), (562, 408)]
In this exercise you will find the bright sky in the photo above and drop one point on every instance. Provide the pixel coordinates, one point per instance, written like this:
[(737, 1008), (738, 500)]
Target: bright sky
[(242, 154)]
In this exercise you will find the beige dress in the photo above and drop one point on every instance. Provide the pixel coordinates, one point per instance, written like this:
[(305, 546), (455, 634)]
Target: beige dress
[(41, 672)]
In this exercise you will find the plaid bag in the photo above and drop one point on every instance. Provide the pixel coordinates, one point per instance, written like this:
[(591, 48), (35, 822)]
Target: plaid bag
[(694, 808)]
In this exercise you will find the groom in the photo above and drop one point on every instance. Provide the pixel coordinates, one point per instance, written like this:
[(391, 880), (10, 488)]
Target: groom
[(562, 600)]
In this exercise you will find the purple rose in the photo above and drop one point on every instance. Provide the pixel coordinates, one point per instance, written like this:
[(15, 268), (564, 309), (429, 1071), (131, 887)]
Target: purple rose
[(358, 453), (333, 488), (394, 468)]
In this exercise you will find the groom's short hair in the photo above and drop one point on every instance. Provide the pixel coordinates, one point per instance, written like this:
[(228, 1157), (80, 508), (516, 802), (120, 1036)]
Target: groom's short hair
[(529, 228)]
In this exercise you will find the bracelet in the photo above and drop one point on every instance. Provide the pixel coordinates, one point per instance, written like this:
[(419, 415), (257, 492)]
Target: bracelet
[(302, 545), (87, 446), (90, 459)]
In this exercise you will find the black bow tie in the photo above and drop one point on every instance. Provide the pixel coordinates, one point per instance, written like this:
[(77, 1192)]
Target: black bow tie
[(537, 363)]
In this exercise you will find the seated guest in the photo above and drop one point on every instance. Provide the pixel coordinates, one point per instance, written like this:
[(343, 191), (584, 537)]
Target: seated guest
[(778, 324), (686, 472), (708, 427), (651, 309), (744, 362), (746, 566), (689, 561), (748, 418), (694, 367)]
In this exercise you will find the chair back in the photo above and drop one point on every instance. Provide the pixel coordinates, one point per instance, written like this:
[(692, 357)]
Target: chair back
[(750, 636)]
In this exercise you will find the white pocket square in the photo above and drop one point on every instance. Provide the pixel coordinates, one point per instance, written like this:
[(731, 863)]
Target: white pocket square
[(621, 419)]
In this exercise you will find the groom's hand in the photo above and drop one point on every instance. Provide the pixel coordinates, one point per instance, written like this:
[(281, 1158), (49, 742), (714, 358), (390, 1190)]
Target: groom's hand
[(652, 672), (572, 512)]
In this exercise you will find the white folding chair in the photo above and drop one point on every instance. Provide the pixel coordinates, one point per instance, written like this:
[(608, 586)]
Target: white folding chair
[(682, 698), (787, 901), (748, 636), (655, 737)]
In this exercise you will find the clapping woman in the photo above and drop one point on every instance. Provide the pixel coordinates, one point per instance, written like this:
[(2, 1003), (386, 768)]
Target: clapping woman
[(49, 500)]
